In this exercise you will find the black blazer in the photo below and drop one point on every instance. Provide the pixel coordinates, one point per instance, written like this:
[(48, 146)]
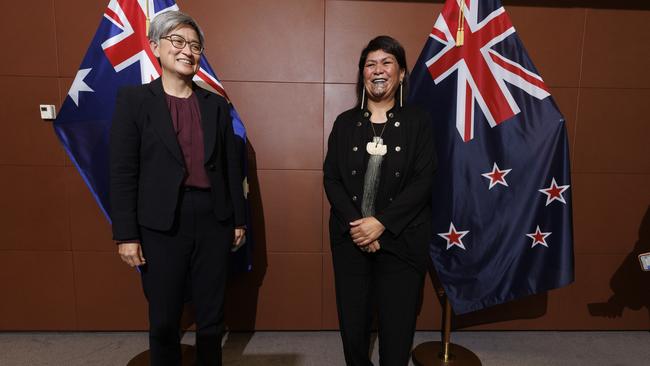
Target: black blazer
[(147, 166), (403, 202)]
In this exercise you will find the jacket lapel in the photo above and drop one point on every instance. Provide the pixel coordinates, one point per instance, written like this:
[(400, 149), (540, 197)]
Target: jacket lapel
[(208, 120), (160, 118)]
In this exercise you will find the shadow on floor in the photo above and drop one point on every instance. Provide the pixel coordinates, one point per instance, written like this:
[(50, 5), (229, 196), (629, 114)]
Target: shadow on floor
[(233, 353)]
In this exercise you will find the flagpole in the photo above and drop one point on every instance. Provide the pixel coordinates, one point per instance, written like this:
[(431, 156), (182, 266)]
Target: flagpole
[(148, 19), (445, 352)]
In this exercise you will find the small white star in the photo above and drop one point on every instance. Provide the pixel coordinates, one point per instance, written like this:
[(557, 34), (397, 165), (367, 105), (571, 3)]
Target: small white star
[(453, 237), (554, 192), (497, 176), (79, 85), (539, 238)]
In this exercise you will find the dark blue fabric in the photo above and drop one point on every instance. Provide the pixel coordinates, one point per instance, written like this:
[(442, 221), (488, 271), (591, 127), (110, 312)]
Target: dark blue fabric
[(499, 262)]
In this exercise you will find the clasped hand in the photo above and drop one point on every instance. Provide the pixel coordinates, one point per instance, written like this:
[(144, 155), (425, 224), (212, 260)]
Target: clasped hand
[(365, 232)]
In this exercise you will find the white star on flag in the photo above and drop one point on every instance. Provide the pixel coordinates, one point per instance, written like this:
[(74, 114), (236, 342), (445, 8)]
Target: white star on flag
[(539, 238), (554, 192), (497, 176), (79, 85), (453, 237)]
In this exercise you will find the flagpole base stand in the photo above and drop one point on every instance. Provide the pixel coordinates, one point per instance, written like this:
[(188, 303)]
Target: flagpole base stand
[(432, 354), (188, 355)]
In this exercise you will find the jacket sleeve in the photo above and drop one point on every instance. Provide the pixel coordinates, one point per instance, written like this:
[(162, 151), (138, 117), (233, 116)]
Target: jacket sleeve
[(235, 153), (124, 168), (416, 193), (337, 194)]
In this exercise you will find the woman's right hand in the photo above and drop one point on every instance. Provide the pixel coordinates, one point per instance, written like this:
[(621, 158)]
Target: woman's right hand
[(131, 253)]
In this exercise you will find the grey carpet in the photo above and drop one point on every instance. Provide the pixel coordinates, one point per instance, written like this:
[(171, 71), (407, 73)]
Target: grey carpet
[(324, 348)]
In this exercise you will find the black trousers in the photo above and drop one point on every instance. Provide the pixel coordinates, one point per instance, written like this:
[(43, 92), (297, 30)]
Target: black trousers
[(194, 254), (378, 281)]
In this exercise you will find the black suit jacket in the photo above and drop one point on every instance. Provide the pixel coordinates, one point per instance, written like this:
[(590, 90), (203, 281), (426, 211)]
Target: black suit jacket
[(147, 167), (403, 202)]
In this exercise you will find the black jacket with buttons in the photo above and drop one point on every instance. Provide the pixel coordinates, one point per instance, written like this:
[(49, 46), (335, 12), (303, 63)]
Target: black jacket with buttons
[(403, 202), (147, 167)]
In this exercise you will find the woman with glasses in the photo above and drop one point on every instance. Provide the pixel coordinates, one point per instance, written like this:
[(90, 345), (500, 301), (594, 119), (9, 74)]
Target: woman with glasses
[(177, 202)]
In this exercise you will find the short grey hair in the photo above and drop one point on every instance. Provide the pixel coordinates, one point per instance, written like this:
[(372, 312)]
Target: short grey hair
[(166, 22)]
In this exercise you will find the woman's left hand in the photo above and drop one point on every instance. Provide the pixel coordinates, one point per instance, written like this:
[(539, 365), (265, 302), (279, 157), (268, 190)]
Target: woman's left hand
[(366, 230), (238, 240)]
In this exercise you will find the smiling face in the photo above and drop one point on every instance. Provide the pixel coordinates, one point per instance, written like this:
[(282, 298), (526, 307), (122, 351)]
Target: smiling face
[(175, 62), (381, 75)]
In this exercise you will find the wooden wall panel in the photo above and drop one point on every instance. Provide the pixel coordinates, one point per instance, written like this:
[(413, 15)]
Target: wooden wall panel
[(612, 131), (350, 25), (290, 297), (292, 207), (283, 122), (609, 211), (615, 50), (34, 213), (290, 66), (28, 140), (29, 33), (258, 40), (38, 290), (338, 98), (109, 294), (89, 228)]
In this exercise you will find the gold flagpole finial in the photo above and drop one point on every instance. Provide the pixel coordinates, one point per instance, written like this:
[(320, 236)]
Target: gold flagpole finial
[(460, 33), (148, 21)]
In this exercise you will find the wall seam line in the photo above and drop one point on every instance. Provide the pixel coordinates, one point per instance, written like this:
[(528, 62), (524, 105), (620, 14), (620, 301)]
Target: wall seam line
[(582, 56)]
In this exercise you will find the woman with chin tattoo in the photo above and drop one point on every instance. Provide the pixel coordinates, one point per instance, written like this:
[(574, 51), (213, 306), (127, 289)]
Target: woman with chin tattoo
[(378, 174), (177, 201)]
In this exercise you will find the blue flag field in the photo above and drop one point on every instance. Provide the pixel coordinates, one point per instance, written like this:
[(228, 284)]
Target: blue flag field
[(502, 195)]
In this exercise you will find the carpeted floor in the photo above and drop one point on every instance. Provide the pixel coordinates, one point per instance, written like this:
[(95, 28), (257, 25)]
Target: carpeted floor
[(324, 348)]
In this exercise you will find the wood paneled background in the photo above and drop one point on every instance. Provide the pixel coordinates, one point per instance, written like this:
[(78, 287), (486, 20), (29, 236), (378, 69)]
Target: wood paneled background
[(289, 67)]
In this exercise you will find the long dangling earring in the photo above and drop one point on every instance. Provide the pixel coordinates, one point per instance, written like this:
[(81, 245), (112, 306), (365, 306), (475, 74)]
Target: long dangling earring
[(400, 94), (363, 96)]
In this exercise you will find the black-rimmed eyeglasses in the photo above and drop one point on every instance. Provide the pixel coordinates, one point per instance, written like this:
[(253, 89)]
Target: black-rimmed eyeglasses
[(180, 42)]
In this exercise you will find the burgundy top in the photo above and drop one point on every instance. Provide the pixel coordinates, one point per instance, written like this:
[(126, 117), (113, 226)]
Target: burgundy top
[(186, 117)]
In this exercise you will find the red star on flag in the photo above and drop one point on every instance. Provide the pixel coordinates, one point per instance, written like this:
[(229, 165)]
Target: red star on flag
[(454, 237), (539, 238), (554, 192), (497, 176)]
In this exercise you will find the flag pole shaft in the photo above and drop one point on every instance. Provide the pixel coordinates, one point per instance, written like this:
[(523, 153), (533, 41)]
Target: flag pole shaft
[(446, 333), (444, 353)]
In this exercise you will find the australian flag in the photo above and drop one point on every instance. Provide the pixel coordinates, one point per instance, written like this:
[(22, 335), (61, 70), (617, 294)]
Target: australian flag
[(502, 195), (119, 55)]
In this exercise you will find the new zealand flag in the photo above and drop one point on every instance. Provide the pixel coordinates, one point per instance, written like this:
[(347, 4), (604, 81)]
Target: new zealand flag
[(502, 195), (119, 55)]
